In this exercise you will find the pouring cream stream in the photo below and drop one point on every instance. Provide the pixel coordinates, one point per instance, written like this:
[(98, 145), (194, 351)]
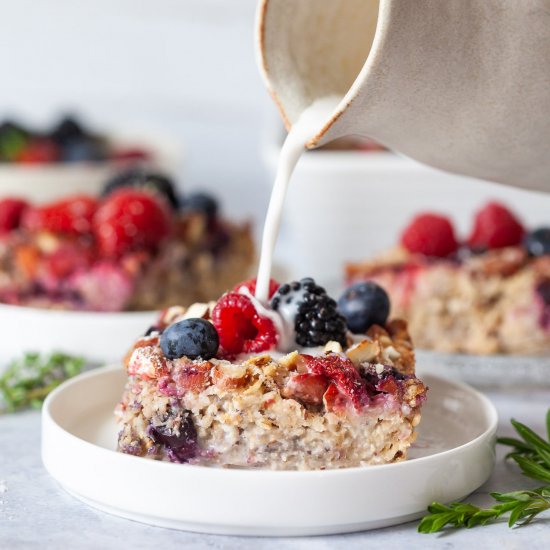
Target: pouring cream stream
[(310, 122)]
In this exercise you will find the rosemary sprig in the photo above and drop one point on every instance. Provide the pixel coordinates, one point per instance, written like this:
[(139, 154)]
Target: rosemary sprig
[(532, 454), (27, 381)]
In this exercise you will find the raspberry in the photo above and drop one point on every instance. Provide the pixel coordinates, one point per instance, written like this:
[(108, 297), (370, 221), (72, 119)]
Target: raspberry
[(431, 235), (240, 327), (342, 372), (11, 212), (495, 227), (251, 286), (72, 215), (130, 219)]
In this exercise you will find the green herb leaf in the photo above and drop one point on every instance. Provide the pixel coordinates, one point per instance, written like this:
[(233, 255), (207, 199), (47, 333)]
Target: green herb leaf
[(26, 382), (532, 455)]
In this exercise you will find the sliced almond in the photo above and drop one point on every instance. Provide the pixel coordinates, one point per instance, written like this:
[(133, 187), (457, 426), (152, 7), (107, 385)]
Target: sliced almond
[(363, 352)]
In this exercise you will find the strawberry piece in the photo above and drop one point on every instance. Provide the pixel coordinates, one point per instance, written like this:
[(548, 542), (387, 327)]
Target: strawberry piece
[(67, 259), (307, 387), (11, 212), (334, 401), (191, 376), (104, 287), (495, 227), (39, 151), (342, 373), (240, 328), (251, 286), (431, 235), (131, 219), (72, 216)]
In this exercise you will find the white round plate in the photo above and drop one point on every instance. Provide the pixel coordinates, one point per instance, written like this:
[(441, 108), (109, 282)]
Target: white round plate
[(98, 337), (487, 371), (453, 455)]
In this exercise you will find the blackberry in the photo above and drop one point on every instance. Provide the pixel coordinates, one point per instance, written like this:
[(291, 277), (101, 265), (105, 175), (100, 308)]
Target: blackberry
[(142, 179), (312, 312)]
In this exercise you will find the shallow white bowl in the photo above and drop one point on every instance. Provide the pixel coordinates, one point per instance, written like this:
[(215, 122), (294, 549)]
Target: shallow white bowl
[(98, 337), (46, 182), (454, 455)]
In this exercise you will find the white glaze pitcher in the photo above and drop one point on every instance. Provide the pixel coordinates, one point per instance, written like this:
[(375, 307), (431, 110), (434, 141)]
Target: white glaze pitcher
[(462, 85)]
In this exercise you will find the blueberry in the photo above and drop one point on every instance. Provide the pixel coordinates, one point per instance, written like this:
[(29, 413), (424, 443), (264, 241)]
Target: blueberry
[(201, 202), (192, 338), (537, 243), (143, 179), (67, 130), (83, 149), (363, 305), (178, 434)]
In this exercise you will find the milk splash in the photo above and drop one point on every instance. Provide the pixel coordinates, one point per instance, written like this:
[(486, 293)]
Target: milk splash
[(304, 129)]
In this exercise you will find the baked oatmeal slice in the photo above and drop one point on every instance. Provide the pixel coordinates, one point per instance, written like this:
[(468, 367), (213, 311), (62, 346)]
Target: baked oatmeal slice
[(486, 296), (340, 404)]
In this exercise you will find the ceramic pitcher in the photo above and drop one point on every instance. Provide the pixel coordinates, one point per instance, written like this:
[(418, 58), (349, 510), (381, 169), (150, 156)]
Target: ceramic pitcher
[(462, 85)]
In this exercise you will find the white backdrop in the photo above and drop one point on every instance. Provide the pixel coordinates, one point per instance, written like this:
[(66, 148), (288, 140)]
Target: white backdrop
[(186, 68), (181, 67)]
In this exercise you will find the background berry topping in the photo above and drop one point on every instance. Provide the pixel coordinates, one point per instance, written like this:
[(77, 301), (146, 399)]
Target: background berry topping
[(72, 216), (11, 212), (537, 243), (240, 327), (495, 227), (130, 219), (431, 235), (313, 313), (139, 178)]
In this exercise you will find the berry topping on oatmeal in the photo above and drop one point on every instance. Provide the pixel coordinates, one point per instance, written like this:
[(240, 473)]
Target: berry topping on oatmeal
[(431, 235), (495, 226), (363, 305), (11, 212), (190, 337), (537, 242), (341, 372), (201, 202), (240, 327), (131, 219), (313, 314), (138, 178), (72, 216)]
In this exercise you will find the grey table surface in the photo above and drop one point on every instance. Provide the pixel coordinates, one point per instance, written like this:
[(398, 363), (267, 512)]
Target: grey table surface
[(36, 513)]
